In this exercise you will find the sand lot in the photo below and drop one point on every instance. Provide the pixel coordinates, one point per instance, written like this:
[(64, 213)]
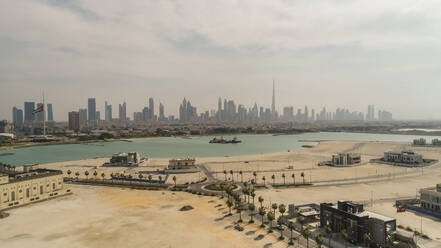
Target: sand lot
[(112, 217)]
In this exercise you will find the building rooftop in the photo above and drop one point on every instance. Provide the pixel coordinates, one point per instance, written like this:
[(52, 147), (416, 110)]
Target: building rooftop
[(375, 216)]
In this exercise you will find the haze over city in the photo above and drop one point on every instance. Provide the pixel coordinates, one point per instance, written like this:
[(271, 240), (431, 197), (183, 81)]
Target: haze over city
[(353, 54)]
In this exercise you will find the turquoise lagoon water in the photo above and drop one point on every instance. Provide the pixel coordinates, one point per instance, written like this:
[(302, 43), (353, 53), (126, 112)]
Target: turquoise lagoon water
[(179, 147)]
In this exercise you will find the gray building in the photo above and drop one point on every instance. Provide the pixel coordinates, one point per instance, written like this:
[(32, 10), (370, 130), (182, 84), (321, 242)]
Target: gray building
[(123, 112), (431, 198), (74, 121), (83, 116), (161, 112), (50, 114), (404, 157), (29, 107), (107, 112), (91, 108), (40, 116), (151, 108)]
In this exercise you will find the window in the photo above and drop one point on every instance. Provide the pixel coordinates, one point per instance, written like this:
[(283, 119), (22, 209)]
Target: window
[(13, 196), (27, 193), (53, 186), (41, 189)]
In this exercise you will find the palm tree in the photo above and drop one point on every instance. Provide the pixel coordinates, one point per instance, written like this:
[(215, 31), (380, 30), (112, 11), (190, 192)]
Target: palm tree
[(255, 176), (319, 240), (263, 178), (86, 173), (252, 194), (251, 207), (282, 209), (328, 230), (280, 223), (103, 175), (306, 233), (274, 179), (262, 213), (270, 217), (239, 210), (260, 199), (274, 207), (229, 204), (303, 176), (150, 178), (390, 241), (241, 176), (95, 174), (232, 178), (345, 236), (293, 178), (140, 176), (225, 174), (77, 174), (174, 180), (283, 176), (301, 220), (160, 179), (69, 172), (291, 228)]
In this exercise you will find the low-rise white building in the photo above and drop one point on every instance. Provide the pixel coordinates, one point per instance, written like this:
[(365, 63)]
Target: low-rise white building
[(404, 157), (185, 163), (29, 185)]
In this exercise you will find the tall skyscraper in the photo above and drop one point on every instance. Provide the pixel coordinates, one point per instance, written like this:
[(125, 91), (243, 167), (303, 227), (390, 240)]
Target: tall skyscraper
[(14, 115), (98, 116), (122, 112), (40, 116), (161, 112), (151, 108), (273, 103), (83, 116), (107, 112), (74, 121), (50, 114), (29, 107), (91, 108)]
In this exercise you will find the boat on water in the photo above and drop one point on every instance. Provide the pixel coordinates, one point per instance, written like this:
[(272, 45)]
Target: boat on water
[(221, 140)]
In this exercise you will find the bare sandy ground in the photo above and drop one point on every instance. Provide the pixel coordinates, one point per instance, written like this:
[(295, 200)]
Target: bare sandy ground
[(112, 217)]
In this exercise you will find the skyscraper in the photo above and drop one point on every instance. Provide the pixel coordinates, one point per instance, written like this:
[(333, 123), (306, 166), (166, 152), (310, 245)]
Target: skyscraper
[(83, 116), (107, 112), (273, 103), (74, 121), (50, 114), (40, 116), (122, 112), (151, 108), (98, 116), (91, 108), (29, 107), (161, 112), (14, 115)]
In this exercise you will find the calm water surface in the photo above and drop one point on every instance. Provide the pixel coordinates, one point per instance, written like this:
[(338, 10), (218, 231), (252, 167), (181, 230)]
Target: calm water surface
[(179, 147)]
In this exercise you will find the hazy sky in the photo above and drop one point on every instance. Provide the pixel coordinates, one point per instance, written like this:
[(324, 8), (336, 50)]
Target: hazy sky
[(341, 53)]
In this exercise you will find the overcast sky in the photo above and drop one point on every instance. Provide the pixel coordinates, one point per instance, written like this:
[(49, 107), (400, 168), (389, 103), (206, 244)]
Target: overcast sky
[(341, 53)]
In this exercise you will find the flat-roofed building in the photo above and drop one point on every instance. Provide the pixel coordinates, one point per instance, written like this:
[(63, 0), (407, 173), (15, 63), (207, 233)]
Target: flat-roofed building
[(125, 159), (29, 184), (431, 198), (183, 163), (404, 157), (346, 159), (357, 222)]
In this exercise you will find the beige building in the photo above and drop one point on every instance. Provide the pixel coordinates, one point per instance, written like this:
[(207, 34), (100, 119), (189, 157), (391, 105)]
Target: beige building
[(29, 185), (346, 159), (431, 198), (177, 164)]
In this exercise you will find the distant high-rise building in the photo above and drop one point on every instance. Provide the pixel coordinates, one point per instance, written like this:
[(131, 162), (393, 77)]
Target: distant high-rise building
[(107, 112), (288, 113), (306, 113), (273, 103), (91, 108), (50, 114), (186, 111), (151, 108), (312, 115), (74, 121), (29, 107), (123, 112), (14, 115), (17, 117), (161, 112), (83, 116), (98, 116), (40, 116)]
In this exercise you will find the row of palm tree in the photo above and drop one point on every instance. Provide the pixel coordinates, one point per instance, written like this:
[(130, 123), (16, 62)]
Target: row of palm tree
[(103, 176), (273, 177)]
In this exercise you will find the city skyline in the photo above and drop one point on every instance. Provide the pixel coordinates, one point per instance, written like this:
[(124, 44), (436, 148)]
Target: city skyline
[(376, 52)]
